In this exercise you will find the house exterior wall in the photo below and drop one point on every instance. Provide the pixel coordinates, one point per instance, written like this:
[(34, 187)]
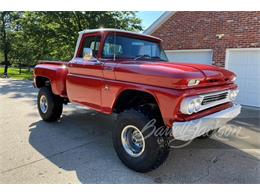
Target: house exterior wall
[(210, 30)]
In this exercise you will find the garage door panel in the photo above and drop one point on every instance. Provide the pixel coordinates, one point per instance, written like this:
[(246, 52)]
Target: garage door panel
[(246, 64), (190, 56)]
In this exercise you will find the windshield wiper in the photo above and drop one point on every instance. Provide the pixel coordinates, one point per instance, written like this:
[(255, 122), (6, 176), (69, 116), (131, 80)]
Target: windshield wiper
[(142, 56), (158, 58)]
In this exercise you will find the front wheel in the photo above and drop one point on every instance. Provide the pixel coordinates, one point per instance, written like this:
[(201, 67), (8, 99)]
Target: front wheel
[(139, 149), (49, 105)]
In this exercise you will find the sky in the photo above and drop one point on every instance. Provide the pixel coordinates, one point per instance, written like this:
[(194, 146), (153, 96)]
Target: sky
[(148, 17)]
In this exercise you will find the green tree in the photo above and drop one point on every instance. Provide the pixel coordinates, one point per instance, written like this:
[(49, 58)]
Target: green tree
[(7, 29), (23, 52), (53, 35)]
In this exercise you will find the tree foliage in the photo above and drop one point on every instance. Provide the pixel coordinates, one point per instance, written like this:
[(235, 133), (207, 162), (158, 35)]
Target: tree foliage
[(7, 29), (52, 35)]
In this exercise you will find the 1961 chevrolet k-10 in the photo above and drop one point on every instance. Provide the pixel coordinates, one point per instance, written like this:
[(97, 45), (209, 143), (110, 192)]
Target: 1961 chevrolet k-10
[(126, 73)]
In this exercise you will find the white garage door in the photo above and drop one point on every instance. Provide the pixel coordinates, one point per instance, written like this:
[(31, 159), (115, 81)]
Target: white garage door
[(246, 64), (198, 56)]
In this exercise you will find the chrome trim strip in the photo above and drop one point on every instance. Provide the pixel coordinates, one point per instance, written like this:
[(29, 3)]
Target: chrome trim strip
[(191, 129), (77, 46)]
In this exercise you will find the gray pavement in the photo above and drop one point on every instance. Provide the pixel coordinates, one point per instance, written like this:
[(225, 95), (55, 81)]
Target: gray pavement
[(78, 148)]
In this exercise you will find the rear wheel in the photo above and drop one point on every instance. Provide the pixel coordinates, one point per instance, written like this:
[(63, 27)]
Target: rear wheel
[(49, 105), (138, 147)]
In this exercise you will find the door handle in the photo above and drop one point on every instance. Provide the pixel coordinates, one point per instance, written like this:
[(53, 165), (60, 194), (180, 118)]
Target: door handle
[(98, 63), (108, 68)]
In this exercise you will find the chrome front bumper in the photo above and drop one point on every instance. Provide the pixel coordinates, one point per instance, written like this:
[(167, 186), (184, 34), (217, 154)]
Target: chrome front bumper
[(191, 129)]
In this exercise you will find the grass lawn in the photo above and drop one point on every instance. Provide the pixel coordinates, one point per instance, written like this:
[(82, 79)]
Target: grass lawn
[(14, 74)]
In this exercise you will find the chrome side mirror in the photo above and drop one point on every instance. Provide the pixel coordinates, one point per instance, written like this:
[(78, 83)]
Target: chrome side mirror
[(87, 54)]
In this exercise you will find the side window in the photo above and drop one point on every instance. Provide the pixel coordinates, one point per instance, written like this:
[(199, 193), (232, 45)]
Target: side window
[(92, 42)]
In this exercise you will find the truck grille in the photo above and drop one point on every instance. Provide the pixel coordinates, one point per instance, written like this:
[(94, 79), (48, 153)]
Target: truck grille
[(213, 98)]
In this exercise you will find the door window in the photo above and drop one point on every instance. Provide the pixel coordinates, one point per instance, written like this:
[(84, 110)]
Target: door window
[(92, 42)]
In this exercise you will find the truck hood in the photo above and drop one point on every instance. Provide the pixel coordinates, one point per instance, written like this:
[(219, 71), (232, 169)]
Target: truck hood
[(172, 75)]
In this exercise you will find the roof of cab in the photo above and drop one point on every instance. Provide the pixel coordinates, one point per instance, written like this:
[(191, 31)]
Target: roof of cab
[(116, 30)]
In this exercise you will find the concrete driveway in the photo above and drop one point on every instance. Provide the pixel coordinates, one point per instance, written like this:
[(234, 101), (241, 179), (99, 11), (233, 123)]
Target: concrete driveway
[(78, 148)]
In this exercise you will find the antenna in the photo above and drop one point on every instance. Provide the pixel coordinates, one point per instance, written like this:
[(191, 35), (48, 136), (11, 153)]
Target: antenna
[(114, 56)]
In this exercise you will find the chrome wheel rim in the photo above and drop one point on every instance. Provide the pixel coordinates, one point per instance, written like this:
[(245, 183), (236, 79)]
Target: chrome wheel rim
[(133, 141), (43, 104)]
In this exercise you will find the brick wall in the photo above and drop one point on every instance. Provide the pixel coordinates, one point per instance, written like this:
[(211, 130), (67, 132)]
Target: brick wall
[(199, 30)]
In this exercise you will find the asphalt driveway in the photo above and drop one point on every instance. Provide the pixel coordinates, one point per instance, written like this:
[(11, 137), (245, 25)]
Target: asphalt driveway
[(78, 148)]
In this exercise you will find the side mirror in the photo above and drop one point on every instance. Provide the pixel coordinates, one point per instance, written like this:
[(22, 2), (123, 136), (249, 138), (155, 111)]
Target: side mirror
[(87, 54)]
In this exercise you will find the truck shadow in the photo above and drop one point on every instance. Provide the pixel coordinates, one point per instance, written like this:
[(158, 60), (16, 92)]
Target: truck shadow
[(81, 142)]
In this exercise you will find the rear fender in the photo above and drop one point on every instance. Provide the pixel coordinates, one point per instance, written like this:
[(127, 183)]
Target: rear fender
[(55, 74)]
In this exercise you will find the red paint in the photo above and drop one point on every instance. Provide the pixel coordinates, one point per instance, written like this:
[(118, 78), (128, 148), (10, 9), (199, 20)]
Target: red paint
[(99, 85)]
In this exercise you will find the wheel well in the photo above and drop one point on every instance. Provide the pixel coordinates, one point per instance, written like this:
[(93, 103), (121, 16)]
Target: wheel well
[(45, 82), (133, 98), (42, 81)]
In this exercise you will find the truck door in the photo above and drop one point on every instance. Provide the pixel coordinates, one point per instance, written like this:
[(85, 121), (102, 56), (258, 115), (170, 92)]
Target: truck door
[(85, 77)]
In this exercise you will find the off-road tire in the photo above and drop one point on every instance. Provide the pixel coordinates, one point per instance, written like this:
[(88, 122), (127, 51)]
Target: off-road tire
[(156, 147), (54, 102)]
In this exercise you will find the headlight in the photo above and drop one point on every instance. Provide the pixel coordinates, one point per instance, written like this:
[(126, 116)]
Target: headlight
[(233, 94), (191, 105), (197, 103)]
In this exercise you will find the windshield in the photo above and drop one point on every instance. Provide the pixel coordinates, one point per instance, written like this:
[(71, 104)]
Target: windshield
[(131, 48)]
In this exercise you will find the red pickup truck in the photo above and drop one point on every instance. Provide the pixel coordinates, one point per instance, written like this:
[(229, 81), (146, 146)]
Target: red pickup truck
[(128, 74)]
